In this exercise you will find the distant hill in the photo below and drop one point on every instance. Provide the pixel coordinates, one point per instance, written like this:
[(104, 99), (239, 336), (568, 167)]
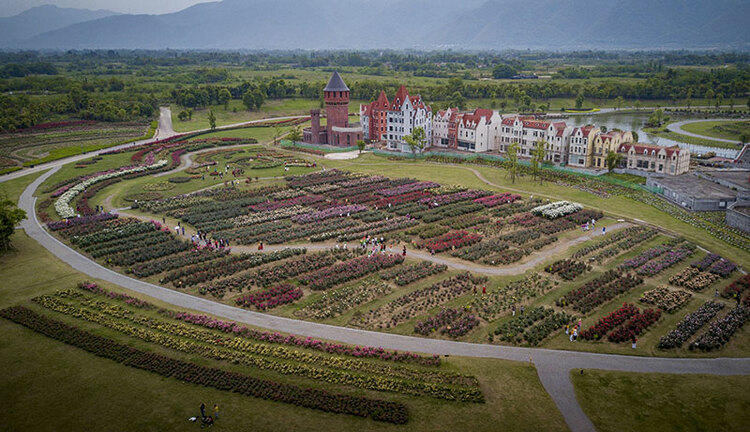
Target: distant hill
[(401, 24), (42, 19)]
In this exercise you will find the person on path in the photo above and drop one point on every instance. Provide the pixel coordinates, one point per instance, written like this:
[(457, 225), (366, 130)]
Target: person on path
[(604, 230), (716, 294), (432, 252), (183, 230), (163, 220), (513, 310), (260, 246), (567, 329), (522, 308), (475, 290), (203, 409), (216, 411), (575, 334), (634, 340), (484, 289), (404, 252)]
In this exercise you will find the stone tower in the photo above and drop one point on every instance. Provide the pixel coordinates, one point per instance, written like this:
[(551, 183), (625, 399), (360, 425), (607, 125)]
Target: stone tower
[(336, 96)]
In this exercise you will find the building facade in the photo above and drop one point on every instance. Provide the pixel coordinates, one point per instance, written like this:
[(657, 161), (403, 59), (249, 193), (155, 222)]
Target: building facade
[(660, 160), (580, 148), (403, 114), (607, 142), (337, 131), (528, 131)]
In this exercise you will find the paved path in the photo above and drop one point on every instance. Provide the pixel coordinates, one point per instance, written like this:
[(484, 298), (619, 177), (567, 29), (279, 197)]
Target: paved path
[(553, 366), (677, 127)]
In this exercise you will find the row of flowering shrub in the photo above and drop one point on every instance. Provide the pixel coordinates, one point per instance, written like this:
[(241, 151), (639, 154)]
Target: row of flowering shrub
[(667, 260), (452, 240), (271, 297), (648, 255), (425, 232), (693, 279), (417, 302), (533, 326), (407, 274), (635, 326), (496, 200), (62, 205), (355, 268), (568, 269), (273, 337), (336, 302), (320, 230), (438, 200), (607, 323), (282, 360), (124, 228), (380, 410), (172, 262), (406, 188), (666, 299), (610, 240), (690, 324), (481, 249), (602, 289), (468, 221), (737, 287), (556, 209), (721, 330), (624, 245), (318, 216), (500, 301), (373, 229), (226, 266), (85, 220), (289, 202), (451, 322)]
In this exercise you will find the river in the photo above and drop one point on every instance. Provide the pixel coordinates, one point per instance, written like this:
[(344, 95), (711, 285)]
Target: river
[(635, 122)]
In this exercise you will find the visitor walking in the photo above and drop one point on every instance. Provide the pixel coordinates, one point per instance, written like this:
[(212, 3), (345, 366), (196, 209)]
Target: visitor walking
[(522, 308), (216, 411), (604, 230), (513, 310), (634, 340), (203, 409), (260, 246), (404, 252), (484, 289)]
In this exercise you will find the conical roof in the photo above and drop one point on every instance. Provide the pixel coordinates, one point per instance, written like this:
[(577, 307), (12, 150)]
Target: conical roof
[(336, 83)]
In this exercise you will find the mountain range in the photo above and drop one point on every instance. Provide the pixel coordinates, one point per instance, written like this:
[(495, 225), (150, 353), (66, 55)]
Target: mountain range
[(396, 24)]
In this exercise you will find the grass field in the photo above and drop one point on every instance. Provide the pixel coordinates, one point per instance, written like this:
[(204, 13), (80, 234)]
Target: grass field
[(719, 129), (617, 401), (664, 132)]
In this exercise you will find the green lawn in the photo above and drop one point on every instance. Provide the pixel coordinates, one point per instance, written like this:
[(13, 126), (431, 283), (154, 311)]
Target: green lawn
[(14, 188), (621, 402), (664, 132), (719, 129), (627, 177)]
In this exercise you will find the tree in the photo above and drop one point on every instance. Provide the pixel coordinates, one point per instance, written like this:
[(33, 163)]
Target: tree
[(709, 95), (190, 113), (457, 100), (579, 100), (689, 98), (277, 132), (637, 105), (748, 103), (253, 98), (10, 216), (613, 159), (211, 119), (619, 101), (417, 140), (537, 158), (361, 146), (719, 100), (657, 118), (295, 135), (224, 96), (183, 115), (744, 137), (79, 98), (511, 161), (503, 71), (635, 136)]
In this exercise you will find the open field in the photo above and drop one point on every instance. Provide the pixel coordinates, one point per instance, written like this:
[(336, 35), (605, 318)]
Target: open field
[(720, 129), (618, 401)]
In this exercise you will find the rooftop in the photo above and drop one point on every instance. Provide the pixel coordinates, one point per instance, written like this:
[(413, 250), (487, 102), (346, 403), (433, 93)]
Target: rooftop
[(336, 83), (740, 178), (695, 187)]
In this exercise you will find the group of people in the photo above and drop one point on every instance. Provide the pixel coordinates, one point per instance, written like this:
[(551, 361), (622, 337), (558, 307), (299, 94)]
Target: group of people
[(589, 225), (572, 331), (206, 420)]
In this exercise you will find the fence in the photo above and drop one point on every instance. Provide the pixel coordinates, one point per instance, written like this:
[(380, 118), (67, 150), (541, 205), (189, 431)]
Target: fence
[(323, 148)]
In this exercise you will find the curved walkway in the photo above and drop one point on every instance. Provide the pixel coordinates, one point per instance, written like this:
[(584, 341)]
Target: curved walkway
[(553, 366), (677, 127)]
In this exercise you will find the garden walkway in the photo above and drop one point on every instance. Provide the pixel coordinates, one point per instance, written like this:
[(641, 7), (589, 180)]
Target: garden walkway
[(677, 127), (553, 366)]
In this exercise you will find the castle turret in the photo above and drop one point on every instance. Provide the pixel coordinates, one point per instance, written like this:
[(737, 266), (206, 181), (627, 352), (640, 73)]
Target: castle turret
[(336, 96)]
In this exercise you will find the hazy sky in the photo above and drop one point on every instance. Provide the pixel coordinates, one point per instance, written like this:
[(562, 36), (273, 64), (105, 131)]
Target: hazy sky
[(14, 7)]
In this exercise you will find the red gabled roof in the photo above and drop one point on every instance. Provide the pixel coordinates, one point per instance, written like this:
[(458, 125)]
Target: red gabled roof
[(474, 118), (381, 103), (508, 121), (399, 99), (640, 147), (535, 124)]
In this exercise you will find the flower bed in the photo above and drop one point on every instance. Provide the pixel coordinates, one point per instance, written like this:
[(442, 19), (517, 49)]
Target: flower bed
[(567, 269), (737, 287), (177, 261), (468, 221), (667, 260), (391, 412), (318, 216), (406, 188), (499, 302), (336, 302), (609, 322), (428, 231), (598, 291), (648, 255), (438, 200), (333, 275), (272, 297), (690, 324), (289, 202), (496, 200), (615, 237), (85, 220), (533, 326), (706, 262), (723, 268), (410, 305), (451, 322), (451, 240), (693, 279), (722, 330), (405, 275), (556, 209), (481, 249), (666, 299), (635, 326)]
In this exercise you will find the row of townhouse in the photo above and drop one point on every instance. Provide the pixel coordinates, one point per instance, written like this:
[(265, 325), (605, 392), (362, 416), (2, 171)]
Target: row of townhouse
[(485, 130), (389, 122)]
